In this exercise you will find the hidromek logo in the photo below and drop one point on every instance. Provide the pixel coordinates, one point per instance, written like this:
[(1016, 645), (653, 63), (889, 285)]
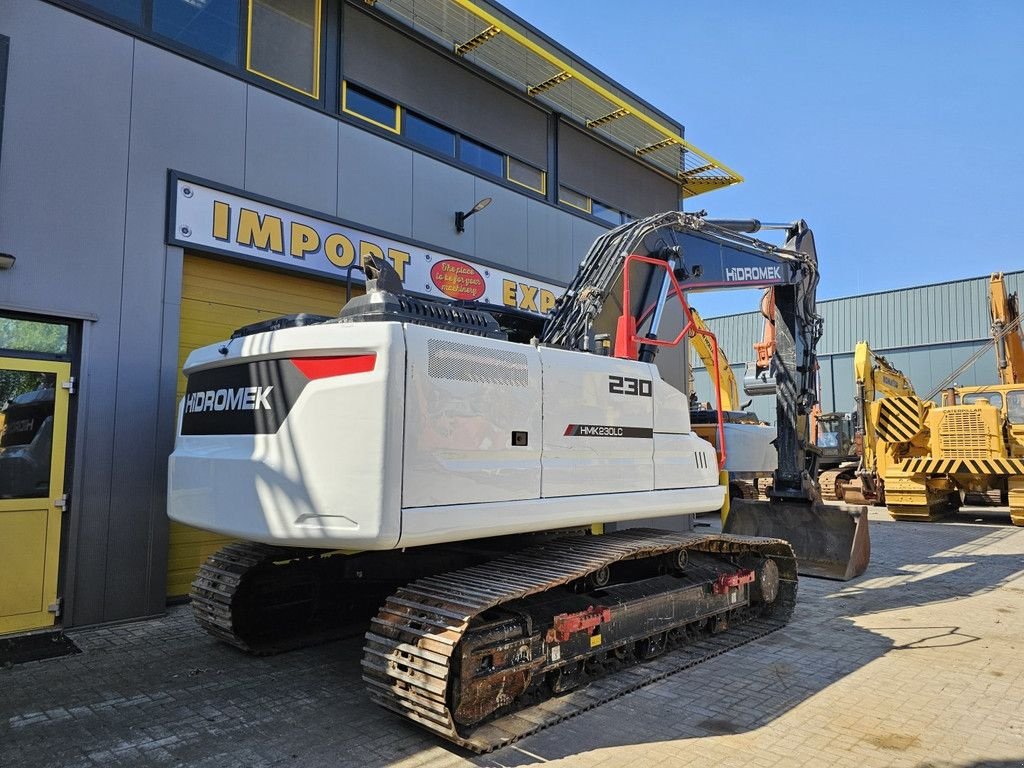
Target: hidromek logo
[(239, 399), (753, 273)]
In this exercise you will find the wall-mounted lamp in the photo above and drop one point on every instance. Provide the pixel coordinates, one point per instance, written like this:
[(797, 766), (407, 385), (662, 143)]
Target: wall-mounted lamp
[(6, 261), (461, 216)]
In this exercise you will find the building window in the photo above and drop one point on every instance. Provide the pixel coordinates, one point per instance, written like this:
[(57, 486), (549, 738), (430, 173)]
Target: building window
[(526, 175), (429, 135), (574, 199), (606, 213), (481, 157), (370, 107), (35, 336), (284, 43), (208, 26), (129, 10)]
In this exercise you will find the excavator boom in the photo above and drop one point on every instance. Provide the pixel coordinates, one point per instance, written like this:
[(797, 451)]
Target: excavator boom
[(1006, 331), (696, 254)]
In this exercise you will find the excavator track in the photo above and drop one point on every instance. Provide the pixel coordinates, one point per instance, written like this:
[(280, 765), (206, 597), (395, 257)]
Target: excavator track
[(743, 489), (266, 599), (831, 482), (465, 655)]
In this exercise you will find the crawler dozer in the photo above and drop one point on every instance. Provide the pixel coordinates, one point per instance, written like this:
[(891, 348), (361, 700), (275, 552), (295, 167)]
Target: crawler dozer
[(454, 468)]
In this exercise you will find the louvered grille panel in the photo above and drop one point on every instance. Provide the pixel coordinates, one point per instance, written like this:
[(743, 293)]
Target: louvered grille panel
[(469, 362), (962, 435)]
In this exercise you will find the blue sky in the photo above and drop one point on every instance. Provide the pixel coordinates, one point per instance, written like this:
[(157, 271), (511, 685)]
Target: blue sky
[(896, 129)]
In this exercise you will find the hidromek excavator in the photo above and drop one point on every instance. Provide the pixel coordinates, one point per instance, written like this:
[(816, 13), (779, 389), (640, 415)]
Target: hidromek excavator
[(427, 459)]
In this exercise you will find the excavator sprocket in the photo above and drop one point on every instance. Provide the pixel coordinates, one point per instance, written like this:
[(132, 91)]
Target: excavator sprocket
[(489, 654)]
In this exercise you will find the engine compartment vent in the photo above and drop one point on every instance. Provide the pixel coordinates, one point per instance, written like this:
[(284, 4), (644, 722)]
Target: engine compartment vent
[(381, 306), (480, 365)]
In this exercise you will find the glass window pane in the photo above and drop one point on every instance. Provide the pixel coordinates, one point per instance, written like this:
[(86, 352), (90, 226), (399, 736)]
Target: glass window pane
[(573, 198), (374, 108), (129, 10), (210, 26), (284, 44), (32, 336), (479, 156), (1015, 406), (527, 175), (602, 211), (994, 398), (26, 433), (429, 134)]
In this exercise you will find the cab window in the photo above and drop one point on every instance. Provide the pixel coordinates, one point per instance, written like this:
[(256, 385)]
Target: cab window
[(994, 398), (1015, 406)]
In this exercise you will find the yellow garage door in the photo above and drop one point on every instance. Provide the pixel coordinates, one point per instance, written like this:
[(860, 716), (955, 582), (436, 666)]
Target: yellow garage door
[(217, 298)]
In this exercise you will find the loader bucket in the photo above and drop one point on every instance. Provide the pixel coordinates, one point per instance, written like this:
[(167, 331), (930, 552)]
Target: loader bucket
[(830, 542)]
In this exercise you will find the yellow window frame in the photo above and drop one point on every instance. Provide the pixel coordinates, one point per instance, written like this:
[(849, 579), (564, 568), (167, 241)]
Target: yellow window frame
[(395, 128), (543, 175), (590, 202), (315, 94)]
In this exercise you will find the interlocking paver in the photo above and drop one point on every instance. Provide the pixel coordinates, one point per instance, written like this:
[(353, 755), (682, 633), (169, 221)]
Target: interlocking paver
[(917, 663)]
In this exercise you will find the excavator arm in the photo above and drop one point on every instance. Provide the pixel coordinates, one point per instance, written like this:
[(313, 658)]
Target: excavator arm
[(890, 417), (715, 359), (1006, 331), (623, 297)]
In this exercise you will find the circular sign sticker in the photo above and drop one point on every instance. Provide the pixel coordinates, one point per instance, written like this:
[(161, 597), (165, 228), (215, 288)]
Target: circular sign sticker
[(457, 280)]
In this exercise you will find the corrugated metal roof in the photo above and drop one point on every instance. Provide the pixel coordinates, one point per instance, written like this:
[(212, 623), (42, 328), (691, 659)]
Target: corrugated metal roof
[(503, 45), (941, 313)]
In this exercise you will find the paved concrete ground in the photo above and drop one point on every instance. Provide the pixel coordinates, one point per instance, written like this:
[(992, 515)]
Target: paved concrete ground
[(919, 663)]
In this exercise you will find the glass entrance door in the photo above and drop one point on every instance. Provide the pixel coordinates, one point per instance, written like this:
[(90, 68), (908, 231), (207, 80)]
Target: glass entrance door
[(33, 440)]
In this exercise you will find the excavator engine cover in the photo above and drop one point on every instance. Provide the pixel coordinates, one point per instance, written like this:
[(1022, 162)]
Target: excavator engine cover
[(830, 541)]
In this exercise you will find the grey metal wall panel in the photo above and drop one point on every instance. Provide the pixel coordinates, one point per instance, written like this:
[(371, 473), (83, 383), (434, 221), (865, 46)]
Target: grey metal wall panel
[(166, 416), (374, 181), (909, 317), (841, 389), (438, 190), (62, 214), (190, 118), (500, 230), (291, 152), (549, 242), (825, 379), (584, 233), (594, 169), (4, 48), (415, 76)]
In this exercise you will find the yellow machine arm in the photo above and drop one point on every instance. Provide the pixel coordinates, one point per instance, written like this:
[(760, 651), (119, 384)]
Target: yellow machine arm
[(1006, 331), (727, 381), (876, 376), (891, 417)]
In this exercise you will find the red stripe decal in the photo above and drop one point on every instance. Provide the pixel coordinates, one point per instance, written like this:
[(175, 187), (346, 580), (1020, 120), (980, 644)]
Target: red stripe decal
[(323, 367)]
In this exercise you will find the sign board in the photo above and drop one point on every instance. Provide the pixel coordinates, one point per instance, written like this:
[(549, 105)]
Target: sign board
[(207, 218)]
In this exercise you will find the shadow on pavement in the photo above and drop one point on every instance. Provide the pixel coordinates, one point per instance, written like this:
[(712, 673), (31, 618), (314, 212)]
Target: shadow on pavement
[(163, 692)]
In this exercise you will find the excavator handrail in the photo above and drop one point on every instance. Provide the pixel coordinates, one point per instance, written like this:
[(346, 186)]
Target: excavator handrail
[(627, 338)]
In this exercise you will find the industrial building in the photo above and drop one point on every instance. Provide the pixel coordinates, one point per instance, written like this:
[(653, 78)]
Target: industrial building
[(926, 331), (171, 170)]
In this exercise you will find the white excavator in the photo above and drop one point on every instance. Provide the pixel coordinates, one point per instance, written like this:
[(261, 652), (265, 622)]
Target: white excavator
[(469, 476)]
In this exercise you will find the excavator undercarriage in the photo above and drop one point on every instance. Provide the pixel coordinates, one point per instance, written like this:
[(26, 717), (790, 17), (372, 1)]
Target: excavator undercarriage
[(477, 655)]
